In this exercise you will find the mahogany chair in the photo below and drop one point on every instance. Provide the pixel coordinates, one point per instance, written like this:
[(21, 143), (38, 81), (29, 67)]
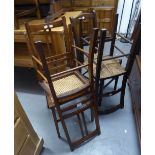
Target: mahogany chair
[(81, 39), (106, 67), (109, 67), (26, 8), (65, 83)]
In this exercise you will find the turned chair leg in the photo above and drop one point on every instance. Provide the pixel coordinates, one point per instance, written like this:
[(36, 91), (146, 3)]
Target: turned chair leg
[(123, 92), (56, 122), (46, 99), (99, 101), (65, 131), (116, 82), (84, 122), (92, 115), (96, 118), (80, 124)]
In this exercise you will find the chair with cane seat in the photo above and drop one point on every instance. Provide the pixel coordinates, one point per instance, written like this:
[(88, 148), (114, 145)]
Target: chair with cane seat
[(110, 68), (65, 84), (81, 41), (107, 67)]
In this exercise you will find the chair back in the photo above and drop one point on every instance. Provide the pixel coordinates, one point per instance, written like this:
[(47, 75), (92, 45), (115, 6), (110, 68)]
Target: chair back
[(82, 26), (84, 23), (46, 33)]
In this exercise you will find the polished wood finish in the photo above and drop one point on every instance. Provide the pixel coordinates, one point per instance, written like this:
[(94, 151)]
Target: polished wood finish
[(25, 138)]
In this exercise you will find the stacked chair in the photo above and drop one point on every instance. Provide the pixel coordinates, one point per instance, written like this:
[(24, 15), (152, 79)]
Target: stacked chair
[(61, 80), (105, 67), (69, 92)]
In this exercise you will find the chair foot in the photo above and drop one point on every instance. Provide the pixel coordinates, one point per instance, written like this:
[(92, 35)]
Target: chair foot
[(71, 148), (110, 110), (122, 106), (56, 122), (99, 132)]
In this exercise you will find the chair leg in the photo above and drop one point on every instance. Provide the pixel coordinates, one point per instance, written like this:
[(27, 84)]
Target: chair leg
[(100, 93), (94, 108), (84, 122), (92, 115), (123, 92), (116, 82), (80, 124), (56, 122), (46, 99), (116, 79), (96, 118), (65, 129)]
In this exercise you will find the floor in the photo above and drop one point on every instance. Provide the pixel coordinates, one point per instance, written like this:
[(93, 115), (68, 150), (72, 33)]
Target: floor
[(118, 129)]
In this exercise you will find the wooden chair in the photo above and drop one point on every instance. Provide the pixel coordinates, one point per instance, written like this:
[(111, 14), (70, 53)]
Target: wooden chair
[(65, 83), (83, 25), (25, 8), (109, 67), (106, 67), (81, 39)]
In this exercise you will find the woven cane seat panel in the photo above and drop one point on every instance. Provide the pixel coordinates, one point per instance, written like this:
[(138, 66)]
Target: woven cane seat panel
[(66, 84), (109, 68)]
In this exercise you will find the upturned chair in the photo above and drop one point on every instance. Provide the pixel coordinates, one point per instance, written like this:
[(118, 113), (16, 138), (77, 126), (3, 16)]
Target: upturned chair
[(106, 67), (109, 67), (65, 83), (81, 39)]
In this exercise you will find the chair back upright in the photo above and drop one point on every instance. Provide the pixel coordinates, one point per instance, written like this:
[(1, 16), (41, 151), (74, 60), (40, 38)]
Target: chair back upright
[(46, 34)]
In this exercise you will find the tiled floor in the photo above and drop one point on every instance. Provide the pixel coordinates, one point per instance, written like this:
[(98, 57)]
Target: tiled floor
[(118, 130)]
